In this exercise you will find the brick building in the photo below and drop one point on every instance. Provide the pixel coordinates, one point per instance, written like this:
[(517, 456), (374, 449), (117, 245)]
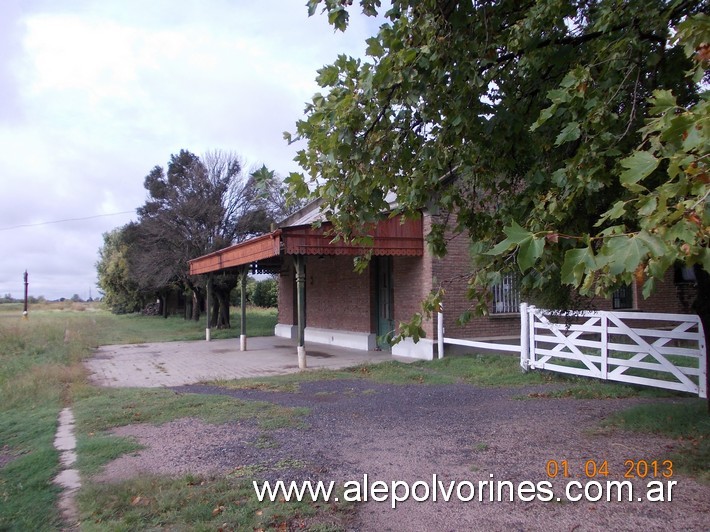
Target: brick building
[(359, 310)]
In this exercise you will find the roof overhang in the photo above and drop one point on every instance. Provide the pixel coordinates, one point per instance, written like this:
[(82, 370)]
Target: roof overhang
[(392, 236), (252, 250)]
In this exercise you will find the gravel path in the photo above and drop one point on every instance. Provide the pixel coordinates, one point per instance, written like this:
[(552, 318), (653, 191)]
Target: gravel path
[(409, 433)]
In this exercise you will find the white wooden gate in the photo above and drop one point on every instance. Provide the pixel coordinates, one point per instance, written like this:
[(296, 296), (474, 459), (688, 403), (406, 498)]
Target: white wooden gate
[(660, 350)]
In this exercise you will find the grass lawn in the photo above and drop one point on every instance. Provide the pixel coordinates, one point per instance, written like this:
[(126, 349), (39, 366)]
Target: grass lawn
[(41, 371), (137, 329)]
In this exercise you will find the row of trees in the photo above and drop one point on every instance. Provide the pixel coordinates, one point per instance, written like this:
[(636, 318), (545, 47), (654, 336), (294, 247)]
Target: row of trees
[(194, 206), (33, 300)]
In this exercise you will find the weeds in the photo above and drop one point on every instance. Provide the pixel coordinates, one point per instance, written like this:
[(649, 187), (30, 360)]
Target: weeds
[(41, 371), (207, 503), (685, 421)]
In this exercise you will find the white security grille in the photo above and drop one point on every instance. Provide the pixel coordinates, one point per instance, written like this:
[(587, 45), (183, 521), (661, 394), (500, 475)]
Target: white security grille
[(506, 295)]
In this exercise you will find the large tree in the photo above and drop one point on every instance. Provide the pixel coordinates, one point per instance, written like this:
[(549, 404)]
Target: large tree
[(196, 206), (574, 134), (120, 291)]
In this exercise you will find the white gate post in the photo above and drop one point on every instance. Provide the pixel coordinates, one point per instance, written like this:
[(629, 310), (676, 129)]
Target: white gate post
[(702, 363), (440, 330), (524, 337), (605, 345)]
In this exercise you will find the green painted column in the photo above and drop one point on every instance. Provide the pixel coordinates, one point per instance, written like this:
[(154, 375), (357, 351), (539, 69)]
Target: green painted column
[(300, 261), (243, 305), (208, 304)]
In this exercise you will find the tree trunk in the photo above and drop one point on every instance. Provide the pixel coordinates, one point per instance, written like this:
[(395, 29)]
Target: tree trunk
[(188, 306), (701, 306), (223, 299), (195, 306), (214, 311)]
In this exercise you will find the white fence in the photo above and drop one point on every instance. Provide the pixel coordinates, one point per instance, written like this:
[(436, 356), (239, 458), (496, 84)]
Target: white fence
[(660, 350)]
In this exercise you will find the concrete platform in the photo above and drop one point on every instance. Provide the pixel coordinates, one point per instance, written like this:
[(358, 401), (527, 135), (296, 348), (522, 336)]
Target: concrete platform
[(177, 363)]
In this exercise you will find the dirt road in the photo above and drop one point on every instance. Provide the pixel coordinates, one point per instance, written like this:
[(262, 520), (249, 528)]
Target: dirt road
[(459, 433)]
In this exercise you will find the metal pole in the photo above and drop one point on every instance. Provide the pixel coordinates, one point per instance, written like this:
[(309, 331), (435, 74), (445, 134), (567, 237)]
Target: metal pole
[(208, 308), (24, 312), (243, 304), (301, 299)]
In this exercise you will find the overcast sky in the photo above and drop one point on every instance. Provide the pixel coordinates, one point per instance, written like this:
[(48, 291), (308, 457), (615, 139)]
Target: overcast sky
[(94, 93)]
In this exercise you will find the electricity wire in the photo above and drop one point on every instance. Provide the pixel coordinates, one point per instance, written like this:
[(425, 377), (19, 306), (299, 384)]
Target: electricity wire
[(65, 220)]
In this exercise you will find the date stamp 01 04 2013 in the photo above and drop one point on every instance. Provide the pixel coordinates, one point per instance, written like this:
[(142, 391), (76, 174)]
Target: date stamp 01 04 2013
[(640, 469)]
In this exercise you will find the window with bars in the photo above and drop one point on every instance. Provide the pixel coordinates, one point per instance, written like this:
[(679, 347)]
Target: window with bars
[(506, 295), (623, 298)]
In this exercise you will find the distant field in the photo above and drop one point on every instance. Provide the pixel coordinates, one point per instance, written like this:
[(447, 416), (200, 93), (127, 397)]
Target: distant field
[(135, 328)]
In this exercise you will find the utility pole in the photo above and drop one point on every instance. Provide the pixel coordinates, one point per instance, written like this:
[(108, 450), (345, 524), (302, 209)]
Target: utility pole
[(24, 312)]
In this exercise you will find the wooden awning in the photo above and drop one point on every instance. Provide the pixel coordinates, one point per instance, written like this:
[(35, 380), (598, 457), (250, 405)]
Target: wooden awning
[(253, 250), (392, 236)]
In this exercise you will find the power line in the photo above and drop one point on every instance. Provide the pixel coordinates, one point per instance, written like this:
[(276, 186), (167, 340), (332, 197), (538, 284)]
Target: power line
[(65, 220)]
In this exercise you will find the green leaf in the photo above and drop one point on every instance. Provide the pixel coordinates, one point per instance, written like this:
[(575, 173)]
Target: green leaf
[(545, 115), (704, 256), (328, 76), (577, 262), (647, 205), (693, 138), (500, 248), (374, 47), (529, 251), (517, 234), (617, 211), (662, 101), (638, 166), (654, 244), (623, 254), (648, 287), (569, 133)]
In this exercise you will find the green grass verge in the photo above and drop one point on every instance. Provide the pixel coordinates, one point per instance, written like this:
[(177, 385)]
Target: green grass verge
[(103, 409), (477, 370), (27, 495), (40, 361), (99, 410), (199, 504), (138, 329), (687, 421), (41, 371), (480, 370)]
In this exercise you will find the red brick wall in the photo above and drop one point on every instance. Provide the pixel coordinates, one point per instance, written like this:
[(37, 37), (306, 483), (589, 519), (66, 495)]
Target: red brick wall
[(411, 279), (667, 297), (339, 298), (336, 296), (287, 313), (452, 273)]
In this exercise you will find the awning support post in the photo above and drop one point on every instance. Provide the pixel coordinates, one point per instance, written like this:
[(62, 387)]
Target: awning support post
[(243, 305), (208, 309), (300, 261)]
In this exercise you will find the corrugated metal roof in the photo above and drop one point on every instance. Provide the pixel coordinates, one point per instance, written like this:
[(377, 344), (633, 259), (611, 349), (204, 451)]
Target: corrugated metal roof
[(306, 215)]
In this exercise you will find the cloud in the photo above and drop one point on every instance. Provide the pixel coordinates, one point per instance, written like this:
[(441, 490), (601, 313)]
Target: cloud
[(94, 94)]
